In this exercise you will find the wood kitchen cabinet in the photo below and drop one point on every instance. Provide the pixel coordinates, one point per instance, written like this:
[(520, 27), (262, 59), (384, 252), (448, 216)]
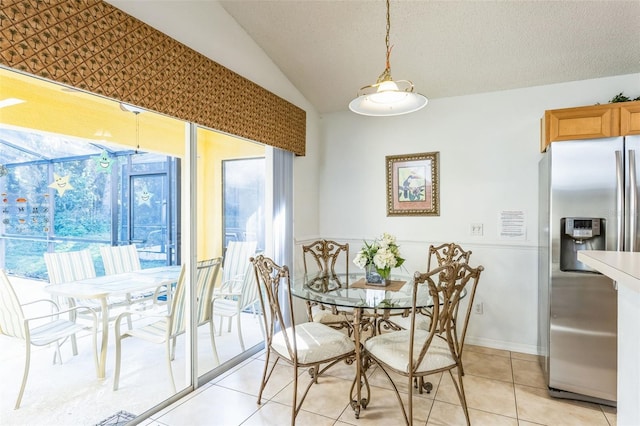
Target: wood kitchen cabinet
[(630, 118), (590, 122)]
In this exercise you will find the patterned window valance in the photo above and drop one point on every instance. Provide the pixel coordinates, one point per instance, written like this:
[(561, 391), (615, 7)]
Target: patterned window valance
[(94, 46)]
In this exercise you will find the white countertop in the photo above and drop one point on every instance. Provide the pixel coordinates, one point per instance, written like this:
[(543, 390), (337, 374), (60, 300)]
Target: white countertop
[(621, 266), (624, 268)]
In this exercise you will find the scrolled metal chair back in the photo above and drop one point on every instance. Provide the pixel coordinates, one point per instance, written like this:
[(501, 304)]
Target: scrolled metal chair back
[(447, 285), (447, 253), (269, 278), (325, 253)]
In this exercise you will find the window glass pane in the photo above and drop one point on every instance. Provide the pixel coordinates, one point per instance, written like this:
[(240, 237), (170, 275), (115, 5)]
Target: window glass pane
[(148, 163), (149, 215), (243, 183), (30, 261), (25, 200), (79, 196), (23, 145), (82, 200)]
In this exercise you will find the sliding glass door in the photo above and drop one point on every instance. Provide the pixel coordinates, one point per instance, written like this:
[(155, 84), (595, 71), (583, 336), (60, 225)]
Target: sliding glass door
[(137, 198)]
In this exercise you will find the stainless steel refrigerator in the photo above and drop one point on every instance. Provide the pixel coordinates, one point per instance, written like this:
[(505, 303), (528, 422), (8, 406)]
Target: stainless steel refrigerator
[(588, 193)]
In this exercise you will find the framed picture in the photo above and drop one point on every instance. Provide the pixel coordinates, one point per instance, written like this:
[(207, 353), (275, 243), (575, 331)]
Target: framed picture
[(412, 185)]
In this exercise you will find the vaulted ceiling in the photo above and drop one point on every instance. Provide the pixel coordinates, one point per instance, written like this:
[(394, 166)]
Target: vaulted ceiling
[(330, 48)]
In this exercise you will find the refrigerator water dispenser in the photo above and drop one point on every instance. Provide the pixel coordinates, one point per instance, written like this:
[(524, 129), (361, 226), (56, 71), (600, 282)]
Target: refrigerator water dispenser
[(580, 233)]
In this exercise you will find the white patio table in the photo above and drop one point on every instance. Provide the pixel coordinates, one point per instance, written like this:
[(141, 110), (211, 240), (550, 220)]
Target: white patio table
[(103, 287)]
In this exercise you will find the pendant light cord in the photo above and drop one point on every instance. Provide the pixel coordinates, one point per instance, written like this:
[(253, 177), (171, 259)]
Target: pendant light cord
[(387, 96), (137, 113), (386, 74)]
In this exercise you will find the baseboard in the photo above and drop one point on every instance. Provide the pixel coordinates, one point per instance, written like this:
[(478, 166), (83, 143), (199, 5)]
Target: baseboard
[(503, 345)]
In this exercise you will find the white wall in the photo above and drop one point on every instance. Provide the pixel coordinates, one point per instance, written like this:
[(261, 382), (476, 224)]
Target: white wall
[(489, 153)]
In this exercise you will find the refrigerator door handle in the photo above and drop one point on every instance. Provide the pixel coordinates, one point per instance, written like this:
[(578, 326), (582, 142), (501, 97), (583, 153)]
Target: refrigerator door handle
[(620, 200), (633, 201)]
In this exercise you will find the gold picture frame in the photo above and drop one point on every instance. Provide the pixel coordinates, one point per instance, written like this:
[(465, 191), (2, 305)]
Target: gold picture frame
[(413, 187)]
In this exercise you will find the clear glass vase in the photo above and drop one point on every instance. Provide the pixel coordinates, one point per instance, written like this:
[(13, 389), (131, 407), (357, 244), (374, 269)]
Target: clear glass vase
[(373, 277)]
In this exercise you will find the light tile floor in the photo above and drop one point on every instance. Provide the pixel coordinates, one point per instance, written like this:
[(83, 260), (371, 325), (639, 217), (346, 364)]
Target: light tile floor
[(502, 388)]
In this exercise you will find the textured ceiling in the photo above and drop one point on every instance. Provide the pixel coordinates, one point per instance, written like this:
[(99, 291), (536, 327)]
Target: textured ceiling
[(328, 49)]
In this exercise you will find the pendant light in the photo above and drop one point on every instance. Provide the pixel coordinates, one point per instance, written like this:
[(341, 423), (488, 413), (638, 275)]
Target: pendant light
[(387, 97)]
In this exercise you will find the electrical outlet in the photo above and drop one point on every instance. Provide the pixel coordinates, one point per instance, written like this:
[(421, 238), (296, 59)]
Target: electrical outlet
[(479, 308), (476, 229)]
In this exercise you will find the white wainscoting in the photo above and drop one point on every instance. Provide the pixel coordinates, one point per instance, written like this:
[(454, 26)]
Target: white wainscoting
[(508, 289)]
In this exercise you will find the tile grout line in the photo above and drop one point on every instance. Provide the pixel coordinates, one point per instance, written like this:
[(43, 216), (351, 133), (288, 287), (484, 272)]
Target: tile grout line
[(513, 381), (435, 393)]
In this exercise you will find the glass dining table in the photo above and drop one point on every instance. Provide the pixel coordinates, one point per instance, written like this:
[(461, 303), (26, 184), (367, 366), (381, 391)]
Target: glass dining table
[(371, 306)]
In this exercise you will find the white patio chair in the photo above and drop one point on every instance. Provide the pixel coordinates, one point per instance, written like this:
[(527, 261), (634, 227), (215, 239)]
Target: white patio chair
[(235, 263), (229, 298), (164, 329), (237, 297), (122, 259), (69, 266), (63, 267), (41, 330)]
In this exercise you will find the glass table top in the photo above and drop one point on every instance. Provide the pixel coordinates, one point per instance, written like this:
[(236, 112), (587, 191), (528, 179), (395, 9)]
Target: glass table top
[(351, 291)]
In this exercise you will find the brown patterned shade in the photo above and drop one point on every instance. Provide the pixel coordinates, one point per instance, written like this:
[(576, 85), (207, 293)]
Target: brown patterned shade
[(96, 47)]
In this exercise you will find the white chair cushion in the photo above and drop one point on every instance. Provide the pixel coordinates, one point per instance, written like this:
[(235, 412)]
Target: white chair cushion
[(393, 349), (326, 315), (315, 342)]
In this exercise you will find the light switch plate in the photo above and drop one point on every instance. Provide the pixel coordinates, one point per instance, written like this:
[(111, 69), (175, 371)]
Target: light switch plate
[(476, 229)]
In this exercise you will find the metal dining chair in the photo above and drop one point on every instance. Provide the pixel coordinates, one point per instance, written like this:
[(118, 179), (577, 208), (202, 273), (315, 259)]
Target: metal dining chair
[(305, 345), (440, 255), (321, 257), (446, 253), (416, 353)]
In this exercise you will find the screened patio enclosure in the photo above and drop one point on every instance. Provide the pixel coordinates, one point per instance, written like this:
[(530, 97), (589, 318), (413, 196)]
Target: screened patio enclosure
[(61, 193)]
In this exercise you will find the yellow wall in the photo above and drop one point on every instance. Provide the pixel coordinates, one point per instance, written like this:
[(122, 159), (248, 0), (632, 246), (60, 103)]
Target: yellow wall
[(55, 109), (52, 108)]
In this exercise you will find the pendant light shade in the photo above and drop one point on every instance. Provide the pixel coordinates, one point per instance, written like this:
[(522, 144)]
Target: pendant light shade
[(387, 97), (388, 100)]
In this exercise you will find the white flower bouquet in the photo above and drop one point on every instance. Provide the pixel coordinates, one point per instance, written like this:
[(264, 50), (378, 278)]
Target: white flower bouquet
[(383, 253)]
